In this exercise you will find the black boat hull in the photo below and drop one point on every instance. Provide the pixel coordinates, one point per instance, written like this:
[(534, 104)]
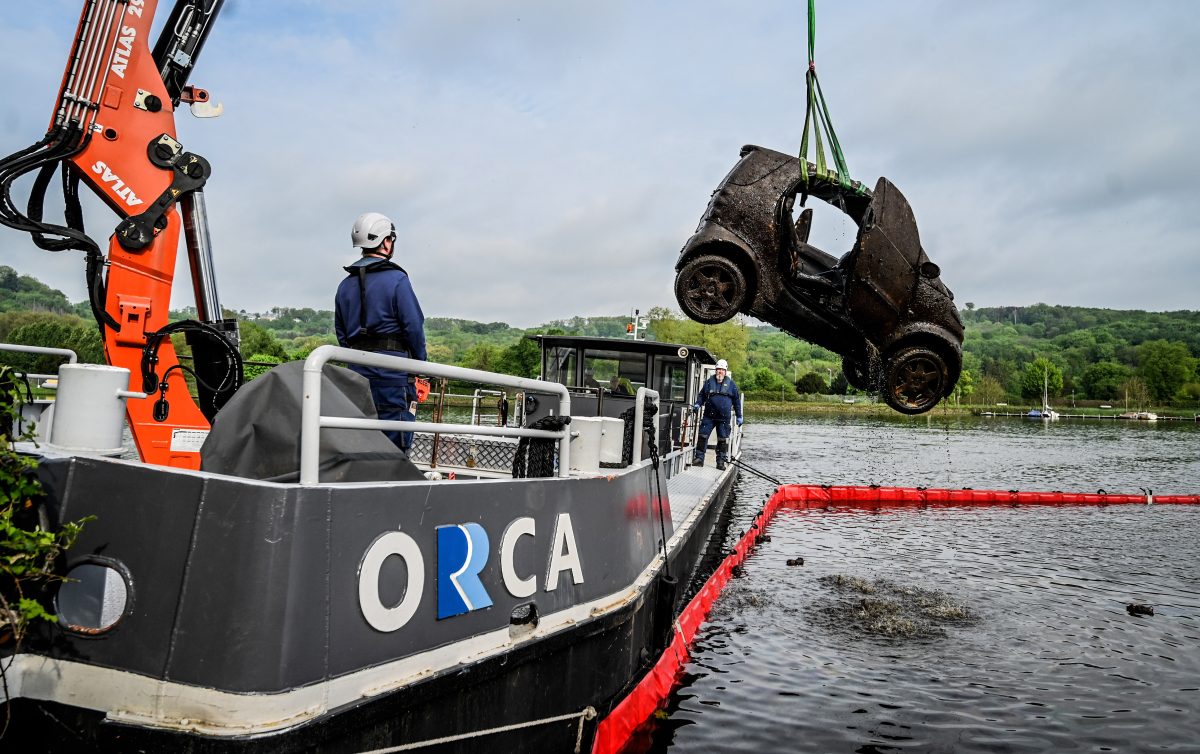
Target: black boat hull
[(587, 664)]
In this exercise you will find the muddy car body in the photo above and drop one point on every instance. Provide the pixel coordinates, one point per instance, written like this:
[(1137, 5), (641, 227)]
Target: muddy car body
[(882, 306)]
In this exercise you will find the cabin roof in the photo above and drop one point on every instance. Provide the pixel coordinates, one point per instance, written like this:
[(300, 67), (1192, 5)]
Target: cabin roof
[(625, 345)]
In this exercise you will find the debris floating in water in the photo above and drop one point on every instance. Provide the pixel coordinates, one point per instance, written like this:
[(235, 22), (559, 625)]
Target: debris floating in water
[(1137, 608), (881, 607), (795, 561)]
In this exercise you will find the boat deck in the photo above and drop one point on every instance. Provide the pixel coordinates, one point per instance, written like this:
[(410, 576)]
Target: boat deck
[(688, 488)]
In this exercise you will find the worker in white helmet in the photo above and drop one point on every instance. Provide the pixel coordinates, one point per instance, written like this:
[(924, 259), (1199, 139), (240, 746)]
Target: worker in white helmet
[(718, 401), (376, 310)]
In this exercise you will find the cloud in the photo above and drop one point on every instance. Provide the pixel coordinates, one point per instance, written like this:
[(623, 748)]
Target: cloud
[(544, 159)]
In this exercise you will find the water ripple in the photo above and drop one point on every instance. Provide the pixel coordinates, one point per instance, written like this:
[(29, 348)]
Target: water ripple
[(1051, 661)]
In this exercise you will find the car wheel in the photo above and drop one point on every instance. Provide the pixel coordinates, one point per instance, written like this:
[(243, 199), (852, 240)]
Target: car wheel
[(914, 379), (711, 289)]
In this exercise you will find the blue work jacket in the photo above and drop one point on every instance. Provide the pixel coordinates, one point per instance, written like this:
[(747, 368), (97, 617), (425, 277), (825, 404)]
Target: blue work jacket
[(391, 310), (718, 399)]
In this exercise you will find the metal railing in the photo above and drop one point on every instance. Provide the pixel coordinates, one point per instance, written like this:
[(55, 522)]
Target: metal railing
[(311, 420), (67, 353), (639, 413)]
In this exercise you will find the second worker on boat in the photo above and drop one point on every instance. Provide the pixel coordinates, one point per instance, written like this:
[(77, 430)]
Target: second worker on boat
[(376, 310), (719, 401)]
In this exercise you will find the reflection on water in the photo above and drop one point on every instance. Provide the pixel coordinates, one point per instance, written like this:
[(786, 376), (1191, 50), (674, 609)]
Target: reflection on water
[(1045, 658)]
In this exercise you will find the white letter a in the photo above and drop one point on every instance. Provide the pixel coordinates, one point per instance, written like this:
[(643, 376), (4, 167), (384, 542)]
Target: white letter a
[(564, 554)]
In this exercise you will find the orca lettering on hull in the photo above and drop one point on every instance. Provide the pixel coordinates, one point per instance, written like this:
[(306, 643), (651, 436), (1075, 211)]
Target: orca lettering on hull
[(462, 552)]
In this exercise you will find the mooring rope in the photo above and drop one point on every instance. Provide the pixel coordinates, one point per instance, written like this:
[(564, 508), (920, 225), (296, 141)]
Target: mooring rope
[(752, 470), (588, 713)]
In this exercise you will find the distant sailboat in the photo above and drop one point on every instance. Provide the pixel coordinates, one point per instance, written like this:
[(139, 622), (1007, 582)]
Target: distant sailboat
[(1046, 412)]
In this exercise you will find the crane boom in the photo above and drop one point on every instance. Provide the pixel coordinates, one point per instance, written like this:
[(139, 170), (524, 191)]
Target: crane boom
[(113, 129)]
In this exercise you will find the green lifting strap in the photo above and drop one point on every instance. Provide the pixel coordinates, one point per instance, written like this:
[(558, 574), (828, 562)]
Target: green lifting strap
[(818, 111)]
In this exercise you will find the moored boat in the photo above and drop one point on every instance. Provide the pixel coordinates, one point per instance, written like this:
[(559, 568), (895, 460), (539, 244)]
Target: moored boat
[(365, 600)]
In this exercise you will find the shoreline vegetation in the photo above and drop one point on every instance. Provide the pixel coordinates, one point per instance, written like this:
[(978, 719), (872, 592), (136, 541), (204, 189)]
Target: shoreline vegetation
[(1145, 361), (866, 406)]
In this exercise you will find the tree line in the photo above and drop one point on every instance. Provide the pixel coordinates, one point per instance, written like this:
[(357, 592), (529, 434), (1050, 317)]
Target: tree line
[(1010, 354)]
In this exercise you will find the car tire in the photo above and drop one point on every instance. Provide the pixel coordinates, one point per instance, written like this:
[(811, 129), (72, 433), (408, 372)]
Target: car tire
[(711, 289), (915, 379)]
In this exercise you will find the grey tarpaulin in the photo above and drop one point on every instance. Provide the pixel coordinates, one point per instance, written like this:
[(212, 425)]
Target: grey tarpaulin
[(257, 434)]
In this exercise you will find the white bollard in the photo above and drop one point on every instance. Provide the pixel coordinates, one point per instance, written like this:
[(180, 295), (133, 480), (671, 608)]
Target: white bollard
[(89, 409)]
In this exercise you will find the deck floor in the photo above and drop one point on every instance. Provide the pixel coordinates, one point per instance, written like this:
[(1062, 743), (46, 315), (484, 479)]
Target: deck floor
[(689, 487)]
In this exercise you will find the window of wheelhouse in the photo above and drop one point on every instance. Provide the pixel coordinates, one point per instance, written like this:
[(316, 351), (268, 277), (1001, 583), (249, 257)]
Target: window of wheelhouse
[(616, 372), (672, 380), (560, 365)]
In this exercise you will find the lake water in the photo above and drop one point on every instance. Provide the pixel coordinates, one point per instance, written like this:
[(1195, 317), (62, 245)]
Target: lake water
[(955, 630)]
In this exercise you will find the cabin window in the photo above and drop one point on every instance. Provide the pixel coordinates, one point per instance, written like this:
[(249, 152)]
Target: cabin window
[(672, 381), (560, 365), (618, 373)]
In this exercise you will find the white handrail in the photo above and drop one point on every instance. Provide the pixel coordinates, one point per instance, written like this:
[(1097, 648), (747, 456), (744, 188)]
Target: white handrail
[(638, 416), (311, 420), (70, 355)]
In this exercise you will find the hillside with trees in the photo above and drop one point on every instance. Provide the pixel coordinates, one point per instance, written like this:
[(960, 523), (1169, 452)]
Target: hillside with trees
[(1091, 354), (1082, 354)]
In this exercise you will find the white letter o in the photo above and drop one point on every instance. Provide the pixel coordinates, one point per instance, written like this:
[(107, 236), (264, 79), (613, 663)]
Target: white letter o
[(380, 616)]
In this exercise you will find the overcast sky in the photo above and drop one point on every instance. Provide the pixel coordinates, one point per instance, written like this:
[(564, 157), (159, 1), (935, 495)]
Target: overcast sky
[(549, 158)]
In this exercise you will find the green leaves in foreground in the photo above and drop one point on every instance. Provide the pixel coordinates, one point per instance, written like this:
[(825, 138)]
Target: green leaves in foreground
[(28, 549)]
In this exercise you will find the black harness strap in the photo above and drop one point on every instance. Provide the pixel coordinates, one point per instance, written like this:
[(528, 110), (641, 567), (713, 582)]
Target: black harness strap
[(365, 339)]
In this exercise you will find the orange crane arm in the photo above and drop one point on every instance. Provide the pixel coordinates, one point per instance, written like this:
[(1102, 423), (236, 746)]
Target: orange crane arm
[(113, 129)]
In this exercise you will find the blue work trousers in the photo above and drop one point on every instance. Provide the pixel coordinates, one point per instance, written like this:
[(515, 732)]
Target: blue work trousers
[(392, 402), (712, 421)]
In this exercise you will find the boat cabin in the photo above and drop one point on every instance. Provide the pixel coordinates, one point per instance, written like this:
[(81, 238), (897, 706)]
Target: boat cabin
[(604, 374), (613, 368)]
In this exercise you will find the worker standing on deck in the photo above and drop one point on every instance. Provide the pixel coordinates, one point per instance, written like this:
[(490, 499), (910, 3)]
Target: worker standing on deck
[(717, 400), (375, 309)]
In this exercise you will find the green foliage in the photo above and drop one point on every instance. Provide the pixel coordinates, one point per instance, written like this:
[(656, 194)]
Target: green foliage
[(1006, 339), (1136, 394), (811, 383), (1190, 392), (301, 347), (598, 327), (522, 359), (1000, 344), (26, 293), (989, 391), (287, 323), (49, 331), (27, 551), (1165, 366), (1039, 375), (483, 356), (762, 378), (728, 340), (256, 339), (258, 370), (965, 387), (1104, 380)]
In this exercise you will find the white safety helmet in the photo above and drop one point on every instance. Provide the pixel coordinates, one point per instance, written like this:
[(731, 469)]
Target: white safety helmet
[(722, 364), (370, 229)]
